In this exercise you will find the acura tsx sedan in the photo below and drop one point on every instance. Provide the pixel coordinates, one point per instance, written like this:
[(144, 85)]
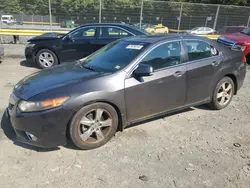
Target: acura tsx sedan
[(127, 81)]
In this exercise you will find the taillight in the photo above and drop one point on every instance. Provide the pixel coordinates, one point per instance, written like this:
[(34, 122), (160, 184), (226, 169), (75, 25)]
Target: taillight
[(244, 59)]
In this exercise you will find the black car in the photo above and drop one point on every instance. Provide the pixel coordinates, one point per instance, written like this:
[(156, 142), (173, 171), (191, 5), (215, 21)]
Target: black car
[(126, 81), (52, 49)]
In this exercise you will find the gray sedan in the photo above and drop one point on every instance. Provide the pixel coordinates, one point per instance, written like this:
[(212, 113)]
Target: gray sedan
[(127, 81)]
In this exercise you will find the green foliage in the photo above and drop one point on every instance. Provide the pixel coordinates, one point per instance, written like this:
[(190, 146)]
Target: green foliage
[(68, 7), (12, 6)]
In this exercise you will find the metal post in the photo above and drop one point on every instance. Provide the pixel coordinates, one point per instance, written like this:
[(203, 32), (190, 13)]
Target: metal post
[(50, 16), (32, 20), (179, 24), (248, 21), (190, 18), (216, 17), (141, 13), (100, 12), (206, 22)]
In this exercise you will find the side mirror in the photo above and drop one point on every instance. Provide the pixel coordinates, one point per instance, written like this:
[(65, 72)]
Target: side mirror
[(68, 38), (143, 70)]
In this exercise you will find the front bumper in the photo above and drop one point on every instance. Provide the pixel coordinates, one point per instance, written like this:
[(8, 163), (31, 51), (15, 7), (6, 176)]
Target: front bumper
[(49, 127), (29, 54)]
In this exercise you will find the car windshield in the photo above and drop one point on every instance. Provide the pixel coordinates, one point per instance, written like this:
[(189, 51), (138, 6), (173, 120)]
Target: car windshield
[(195, 28), (113, 57), (246, 31)]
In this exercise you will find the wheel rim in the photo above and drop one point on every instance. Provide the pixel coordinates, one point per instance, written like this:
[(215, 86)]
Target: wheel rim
[(224, 93), (46, 59), (95, 125)]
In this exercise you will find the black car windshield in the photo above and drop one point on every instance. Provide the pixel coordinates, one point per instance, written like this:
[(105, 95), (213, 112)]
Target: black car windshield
[(246, 31), (114, 57)]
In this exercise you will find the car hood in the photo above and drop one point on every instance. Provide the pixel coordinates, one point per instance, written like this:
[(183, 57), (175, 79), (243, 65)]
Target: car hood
[(44, 38), (239, 37), (52, 78)]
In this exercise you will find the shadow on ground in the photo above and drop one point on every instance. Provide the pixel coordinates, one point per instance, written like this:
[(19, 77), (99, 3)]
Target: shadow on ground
[(10, 134), (205, 107), (25, 63)]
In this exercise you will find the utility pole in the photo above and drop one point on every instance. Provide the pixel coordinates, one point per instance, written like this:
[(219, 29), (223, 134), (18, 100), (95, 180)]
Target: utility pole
[(248, 21), (216, 17), (179, 24), (50, 16), (141, 13), (100, 12)]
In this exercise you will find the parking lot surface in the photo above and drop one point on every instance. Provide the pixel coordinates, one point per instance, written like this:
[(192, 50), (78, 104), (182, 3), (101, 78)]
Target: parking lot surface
[(197, 147)]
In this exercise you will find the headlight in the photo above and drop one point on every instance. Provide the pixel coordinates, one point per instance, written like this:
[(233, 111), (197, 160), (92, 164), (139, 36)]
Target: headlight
[(30, 45), (32, 106)]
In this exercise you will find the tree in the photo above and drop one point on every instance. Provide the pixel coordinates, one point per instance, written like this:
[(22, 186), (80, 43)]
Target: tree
[(12, 6)]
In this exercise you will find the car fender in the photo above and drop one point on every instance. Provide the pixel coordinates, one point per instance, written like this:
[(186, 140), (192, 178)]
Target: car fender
[(114, 99), (36, 50)]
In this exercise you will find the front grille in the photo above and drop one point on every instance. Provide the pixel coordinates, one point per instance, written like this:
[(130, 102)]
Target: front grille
[(226, 42)]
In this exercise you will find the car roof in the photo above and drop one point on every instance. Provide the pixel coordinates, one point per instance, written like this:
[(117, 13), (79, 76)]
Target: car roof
[(113, 24), (7, 16), (158, 38), (125, 26)]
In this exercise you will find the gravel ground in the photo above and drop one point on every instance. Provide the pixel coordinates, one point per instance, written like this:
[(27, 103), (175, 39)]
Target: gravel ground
[(194, 148)]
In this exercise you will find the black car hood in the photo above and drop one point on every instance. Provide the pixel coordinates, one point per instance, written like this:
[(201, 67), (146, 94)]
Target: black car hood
[(52, 78), (44, 38)]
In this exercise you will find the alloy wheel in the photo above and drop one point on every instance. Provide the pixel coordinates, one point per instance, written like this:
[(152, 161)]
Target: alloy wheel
[(224, 93), (95, 125)]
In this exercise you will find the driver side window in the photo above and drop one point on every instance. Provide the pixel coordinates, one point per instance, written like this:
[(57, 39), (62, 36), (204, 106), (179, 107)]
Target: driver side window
[(84, 33), (165, 55)]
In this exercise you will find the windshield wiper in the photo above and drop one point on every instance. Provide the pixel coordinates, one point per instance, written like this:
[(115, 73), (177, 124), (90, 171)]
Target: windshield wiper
[(91, 68)]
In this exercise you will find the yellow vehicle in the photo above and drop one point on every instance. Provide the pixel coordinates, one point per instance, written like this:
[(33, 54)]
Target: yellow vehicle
[(157, 29)]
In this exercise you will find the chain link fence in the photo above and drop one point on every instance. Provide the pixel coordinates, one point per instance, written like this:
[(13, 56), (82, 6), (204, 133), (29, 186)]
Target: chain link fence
[(176, 16)]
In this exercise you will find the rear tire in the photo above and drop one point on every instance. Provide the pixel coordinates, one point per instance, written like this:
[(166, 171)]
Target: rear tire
[(45, 58), (223, 93), (93, 126), (248, 59)]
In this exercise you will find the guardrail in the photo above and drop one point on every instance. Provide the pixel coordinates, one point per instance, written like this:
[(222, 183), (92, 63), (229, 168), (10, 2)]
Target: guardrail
[(39, 32), (41, 23), (26, 32)]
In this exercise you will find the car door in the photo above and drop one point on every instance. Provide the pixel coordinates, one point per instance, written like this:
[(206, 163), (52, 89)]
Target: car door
[(162, 91), (205, 63), (108, 34), (208, 31), (78, 44), (201, 31)]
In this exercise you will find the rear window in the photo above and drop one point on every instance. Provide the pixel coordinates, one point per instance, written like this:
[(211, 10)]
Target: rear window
[(115, 56)]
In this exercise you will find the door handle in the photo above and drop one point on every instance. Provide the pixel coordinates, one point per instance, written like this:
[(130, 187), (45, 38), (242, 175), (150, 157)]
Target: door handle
[(216, 63), (178, 74)]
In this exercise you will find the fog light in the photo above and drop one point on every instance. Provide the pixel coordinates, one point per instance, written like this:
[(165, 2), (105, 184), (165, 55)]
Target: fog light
[(31, 137)]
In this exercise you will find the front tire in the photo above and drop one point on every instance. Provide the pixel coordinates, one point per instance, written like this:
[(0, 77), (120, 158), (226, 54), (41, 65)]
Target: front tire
[(93, 126), (45, 58), (223, 93)]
